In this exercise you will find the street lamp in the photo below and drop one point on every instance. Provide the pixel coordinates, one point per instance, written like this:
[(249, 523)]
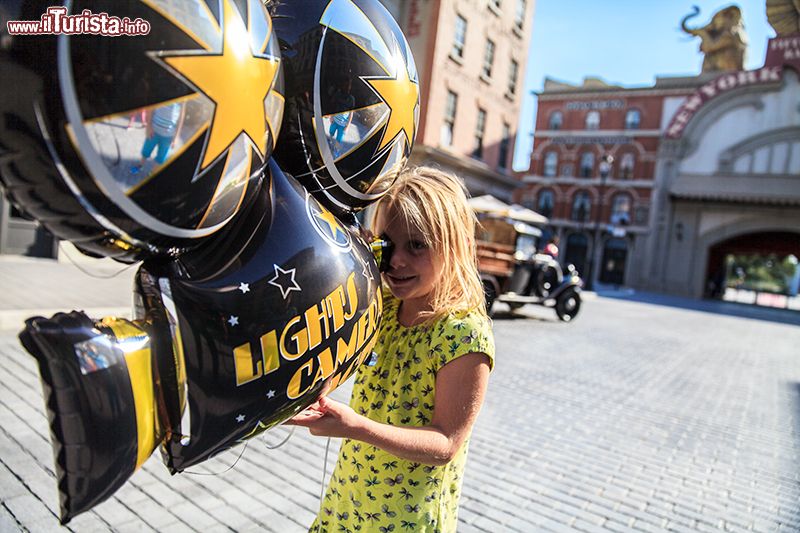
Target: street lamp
[(604, 169)]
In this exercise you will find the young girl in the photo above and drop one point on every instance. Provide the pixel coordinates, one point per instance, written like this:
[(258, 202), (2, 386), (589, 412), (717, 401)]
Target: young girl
[(406, 430)]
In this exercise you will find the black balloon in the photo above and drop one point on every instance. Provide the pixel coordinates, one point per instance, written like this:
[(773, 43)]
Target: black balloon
[(282, 310), (99, 390), (228, 340), (253, 298), (352, 99), (81, 111)]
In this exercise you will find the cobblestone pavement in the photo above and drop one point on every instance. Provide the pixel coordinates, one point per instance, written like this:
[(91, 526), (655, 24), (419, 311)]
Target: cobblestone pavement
[(635, 417)]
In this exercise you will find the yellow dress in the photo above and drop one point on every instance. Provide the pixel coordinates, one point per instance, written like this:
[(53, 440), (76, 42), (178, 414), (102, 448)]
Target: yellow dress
[(372, 490)]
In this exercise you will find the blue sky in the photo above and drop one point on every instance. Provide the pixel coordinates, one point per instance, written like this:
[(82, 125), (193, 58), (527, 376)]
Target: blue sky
[(626, 42)]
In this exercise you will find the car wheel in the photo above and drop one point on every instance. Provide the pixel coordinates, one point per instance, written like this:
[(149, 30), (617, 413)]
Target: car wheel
[(567, 305)]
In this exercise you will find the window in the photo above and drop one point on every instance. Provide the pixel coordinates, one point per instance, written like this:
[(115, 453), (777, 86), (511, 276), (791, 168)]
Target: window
[(621, 210), (519, 14), (460, 37), (550, 163), (581, 206), (587, 164), (504, 142), (626, 166), (449, 118), (513, 72), (632, 119), (480, 126), (488, 59), (556, 120), (593, 120), (546, 203)]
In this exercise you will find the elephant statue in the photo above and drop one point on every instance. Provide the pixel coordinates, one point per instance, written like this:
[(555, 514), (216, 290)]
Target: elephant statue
[(723, 40)]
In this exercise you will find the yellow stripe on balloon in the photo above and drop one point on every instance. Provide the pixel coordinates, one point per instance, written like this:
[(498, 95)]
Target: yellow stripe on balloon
[(138, 360)]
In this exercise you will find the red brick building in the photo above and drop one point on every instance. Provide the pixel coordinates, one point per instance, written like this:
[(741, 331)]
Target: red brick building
[(600, 213)]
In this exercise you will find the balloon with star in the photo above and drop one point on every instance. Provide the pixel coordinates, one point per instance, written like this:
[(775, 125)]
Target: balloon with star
[(255, 296), (352, 99), (283, 310), (228, 340), (139, 146)]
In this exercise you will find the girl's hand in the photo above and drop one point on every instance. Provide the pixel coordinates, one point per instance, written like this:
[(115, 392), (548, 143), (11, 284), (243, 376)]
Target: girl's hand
[(306, 416), (328, 418)]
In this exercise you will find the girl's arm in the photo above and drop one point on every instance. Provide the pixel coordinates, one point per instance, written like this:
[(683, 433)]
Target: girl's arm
[(460, 389)]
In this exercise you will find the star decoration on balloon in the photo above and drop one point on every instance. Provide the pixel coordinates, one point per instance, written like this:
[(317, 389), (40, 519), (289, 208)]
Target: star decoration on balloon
[(400, 95), (237, 81), (366, 271), (284, 280), (244, 287), (329, 219), (271, 394), (327, 225), (233, 320)]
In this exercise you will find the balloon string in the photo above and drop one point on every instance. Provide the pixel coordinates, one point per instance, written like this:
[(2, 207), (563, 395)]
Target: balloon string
[(92, 274), (222, 472), (281, 443), (324, 473)]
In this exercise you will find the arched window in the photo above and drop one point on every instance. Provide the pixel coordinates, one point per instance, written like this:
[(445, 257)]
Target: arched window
[(621, 210), (593, 120), (550, 163), (632, 119), (626, 166), (556, 120), (581, 206), (587, 164), (546, 203)]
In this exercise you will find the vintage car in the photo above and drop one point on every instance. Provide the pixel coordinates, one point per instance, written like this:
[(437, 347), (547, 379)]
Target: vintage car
[(513, 270)]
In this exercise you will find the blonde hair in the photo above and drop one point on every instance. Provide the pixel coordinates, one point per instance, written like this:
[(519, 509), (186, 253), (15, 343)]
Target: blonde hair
[(435, 203)]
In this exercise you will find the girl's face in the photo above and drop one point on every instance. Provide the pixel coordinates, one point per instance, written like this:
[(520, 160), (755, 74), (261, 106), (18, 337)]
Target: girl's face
[(414, 268)]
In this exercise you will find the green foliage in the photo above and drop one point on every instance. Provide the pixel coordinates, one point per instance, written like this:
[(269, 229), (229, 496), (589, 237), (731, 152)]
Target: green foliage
[(765, 273)]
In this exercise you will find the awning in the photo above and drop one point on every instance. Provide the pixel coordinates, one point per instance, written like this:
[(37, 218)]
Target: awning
[(490, 205)]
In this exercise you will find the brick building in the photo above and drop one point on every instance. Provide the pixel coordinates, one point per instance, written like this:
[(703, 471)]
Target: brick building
[(471, 57), (600, 220)]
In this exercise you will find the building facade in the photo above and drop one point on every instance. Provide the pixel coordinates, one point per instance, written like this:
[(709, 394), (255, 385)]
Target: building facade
[(471, 57), (704, 170), (728, 180), (593, 169)]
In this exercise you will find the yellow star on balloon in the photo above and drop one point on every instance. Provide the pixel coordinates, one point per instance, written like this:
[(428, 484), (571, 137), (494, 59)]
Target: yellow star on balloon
[(328, 218), (238, 83), (400, 94)]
